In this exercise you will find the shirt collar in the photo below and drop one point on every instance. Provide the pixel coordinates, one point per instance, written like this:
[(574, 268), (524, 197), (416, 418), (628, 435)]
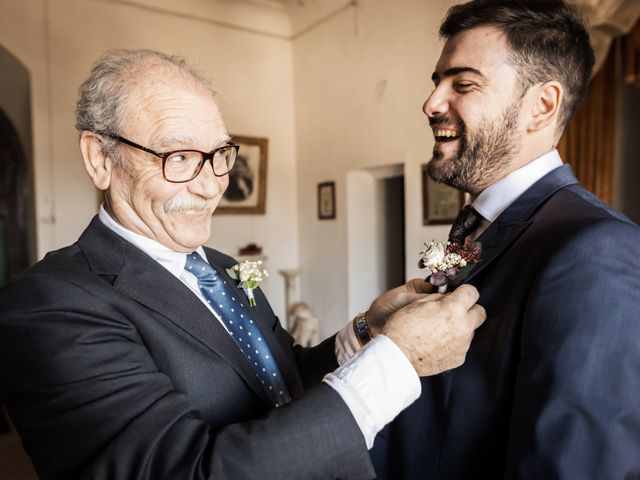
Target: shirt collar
[(498, 197), (169, 259)]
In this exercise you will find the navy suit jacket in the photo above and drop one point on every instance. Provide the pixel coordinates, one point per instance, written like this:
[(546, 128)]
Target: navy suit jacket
[(111, 368), (551, 385)]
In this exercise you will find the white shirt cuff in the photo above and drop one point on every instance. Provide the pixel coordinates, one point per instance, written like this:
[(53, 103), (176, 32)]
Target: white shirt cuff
[(376, 384), (347, 344)]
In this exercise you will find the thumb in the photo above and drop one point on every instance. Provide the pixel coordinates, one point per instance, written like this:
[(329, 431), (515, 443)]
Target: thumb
[(478, 314)]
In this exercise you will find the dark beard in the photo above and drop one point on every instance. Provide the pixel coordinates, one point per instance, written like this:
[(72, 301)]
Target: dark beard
[(483, 154)]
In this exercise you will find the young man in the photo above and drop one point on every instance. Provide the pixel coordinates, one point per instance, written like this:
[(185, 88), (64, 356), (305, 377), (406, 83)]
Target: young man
[(550, 385)]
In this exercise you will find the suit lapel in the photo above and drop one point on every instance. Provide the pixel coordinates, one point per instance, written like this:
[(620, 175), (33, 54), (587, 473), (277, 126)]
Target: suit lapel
[(514, 220), (494, 240), (503, 232), (140, 277), (263, 319)]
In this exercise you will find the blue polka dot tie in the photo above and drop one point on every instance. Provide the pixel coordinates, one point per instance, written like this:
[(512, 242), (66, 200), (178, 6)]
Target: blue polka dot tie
[(239, 322)]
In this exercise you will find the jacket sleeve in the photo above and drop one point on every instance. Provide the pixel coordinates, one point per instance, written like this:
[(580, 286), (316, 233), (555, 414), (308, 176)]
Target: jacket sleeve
[(89, 402), (576, 412)]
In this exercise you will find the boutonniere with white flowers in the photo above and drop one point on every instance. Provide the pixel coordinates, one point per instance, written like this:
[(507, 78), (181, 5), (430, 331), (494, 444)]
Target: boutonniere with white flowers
[(448, 264), (249, 276)]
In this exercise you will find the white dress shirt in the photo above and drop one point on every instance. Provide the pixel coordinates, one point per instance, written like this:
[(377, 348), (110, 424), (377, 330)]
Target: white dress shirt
[(376, 382), (496, 198)]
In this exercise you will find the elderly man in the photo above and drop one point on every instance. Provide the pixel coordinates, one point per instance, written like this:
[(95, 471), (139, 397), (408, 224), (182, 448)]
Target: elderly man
[(551, 383), (133, 354)]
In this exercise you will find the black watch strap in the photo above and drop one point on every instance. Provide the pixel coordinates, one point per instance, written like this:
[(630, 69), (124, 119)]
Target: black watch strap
[(361, 328)]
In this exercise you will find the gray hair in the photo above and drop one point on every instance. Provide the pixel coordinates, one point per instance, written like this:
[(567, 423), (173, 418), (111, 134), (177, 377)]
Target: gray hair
[(104, 95)]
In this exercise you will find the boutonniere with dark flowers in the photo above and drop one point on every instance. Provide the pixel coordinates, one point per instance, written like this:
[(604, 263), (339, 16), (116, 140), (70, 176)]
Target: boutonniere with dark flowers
[(448, 264), (249, 276)]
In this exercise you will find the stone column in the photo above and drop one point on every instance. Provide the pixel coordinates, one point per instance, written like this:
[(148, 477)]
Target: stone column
[(292, 290)]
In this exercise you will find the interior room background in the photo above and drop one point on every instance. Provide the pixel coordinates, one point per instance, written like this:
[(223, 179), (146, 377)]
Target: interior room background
[(336, 86)]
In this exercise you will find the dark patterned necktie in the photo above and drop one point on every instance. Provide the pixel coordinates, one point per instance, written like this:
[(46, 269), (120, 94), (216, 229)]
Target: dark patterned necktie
[(239, 321), (467, 221)]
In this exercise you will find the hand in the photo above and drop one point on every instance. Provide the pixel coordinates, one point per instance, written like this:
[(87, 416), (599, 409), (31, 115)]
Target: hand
[(390, 302), (435, 332)]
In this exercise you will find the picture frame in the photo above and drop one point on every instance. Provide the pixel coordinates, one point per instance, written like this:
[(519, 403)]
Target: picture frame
[(327, 200), (440, 203), (247, 190)]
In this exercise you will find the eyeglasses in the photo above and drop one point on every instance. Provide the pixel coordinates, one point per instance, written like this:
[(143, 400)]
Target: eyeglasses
[(180, 166)]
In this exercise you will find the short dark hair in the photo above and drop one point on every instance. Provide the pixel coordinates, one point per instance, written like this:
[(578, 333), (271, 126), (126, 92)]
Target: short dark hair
[(548, 41)]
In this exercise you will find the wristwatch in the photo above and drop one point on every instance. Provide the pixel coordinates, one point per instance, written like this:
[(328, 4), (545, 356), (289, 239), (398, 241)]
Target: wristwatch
[(361, 328)]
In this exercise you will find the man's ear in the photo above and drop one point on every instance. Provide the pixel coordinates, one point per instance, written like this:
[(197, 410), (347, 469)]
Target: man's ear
[(546, 106), (97, 163)]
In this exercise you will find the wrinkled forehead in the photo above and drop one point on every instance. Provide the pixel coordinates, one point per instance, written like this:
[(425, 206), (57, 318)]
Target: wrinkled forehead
[(162, 78), (166, 103), (482, 48)]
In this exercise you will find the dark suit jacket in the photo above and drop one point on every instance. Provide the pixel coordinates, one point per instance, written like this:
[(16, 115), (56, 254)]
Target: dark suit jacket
[(111, 368), (551, 385)]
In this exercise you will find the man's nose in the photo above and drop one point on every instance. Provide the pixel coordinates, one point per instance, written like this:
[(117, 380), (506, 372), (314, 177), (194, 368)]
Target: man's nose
[(207, 184), (436, 104)]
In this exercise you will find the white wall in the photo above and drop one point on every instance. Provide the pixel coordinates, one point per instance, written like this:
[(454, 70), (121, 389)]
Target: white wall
[(361, 79), (58, 40), (364, 239)]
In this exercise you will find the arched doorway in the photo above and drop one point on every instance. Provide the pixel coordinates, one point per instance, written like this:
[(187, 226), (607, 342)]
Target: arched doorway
[(17, 212), (17, 219), (14, 257), (14, 190)]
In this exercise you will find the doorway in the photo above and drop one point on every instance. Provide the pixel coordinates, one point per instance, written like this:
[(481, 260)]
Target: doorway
[(17, 218), (17, 213), (393, 248), (375, 233), (14, 257), (14, 251)]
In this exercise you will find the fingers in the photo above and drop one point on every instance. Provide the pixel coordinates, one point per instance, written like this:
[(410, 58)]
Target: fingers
[(465, 294), (478, 315), (423, 297), (419, 285), (448, 321), (432, 297)]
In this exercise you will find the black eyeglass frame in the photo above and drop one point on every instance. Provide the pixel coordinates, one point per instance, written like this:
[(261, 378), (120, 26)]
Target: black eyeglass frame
[(163, 156)]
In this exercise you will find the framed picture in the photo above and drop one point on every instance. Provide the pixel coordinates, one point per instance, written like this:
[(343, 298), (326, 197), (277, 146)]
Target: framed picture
[(440, 203), (247, 193), (327, 200)]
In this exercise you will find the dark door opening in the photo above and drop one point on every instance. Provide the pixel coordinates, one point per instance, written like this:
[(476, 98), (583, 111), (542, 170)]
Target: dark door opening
[(394, 242), (14, 245)]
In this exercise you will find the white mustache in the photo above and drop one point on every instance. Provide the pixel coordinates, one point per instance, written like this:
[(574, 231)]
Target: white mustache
[(188, 202)]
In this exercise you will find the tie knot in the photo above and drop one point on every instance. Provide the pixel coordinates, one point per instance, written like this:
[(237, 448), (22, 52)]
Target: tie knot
[(199, 267), (467, 221)]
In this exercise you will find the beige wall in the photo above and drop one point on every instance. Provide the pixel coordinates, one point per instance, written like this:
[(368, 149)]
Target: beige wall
[(58, 40)]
